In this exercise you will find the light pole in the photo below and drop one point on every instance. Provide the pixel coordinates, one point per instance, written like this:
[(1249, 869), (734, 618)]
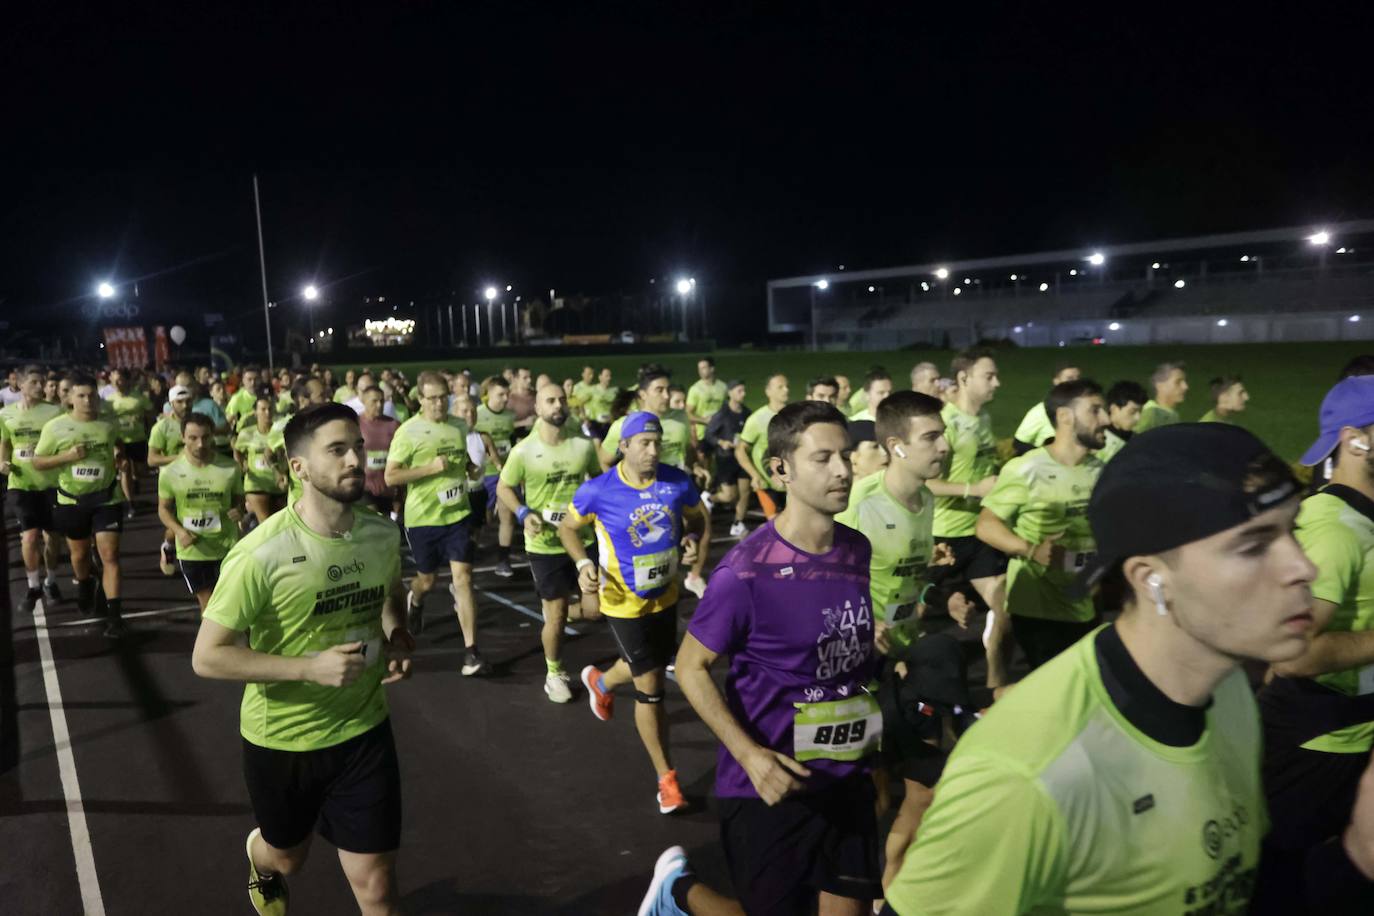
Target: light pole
[(821, 285), (685, 287), (490, 295), (310, 293)]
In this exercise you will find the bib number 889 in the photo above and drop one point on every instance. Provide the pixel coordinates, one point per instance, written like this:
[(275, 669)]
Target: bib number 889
[(844, 733)]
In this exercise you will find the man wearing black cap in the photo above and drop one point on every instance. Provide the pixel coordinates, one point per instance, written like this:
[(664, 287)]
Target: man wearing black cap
[(1318, 712), (1123, 776)]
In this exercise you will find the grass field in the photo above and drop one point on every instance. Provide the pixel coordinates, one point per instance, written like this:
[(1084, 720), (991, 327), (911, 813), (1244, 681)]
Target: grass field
[(1286, 381)]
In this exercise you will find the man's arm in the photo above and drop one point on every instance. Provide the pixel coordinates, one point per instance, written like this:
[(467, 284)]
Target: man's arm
[(695, 521), (941, 487), (48, 462), (156, 459), (746, 463), (396, 475), (219, 654), (167, 512), (1329, 651), (991, 530), (572, 541)]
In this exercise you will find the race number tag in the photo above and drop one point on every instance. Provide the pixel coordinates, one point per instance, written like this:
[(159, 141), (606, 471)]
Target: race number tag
[(372, 645), (203, 522), (553, 516), (502, 448), (128, 422), (655, 570), (450, 495), (88, 473), (1075, 560), (260, 462), (845, 729), (376, 461), (23, 453)]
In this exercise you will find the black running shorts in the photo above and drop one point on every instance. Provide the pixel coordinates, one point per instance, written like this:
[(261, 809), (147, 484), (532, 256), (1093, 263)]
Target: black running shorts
[(647, 642), (31, 508)]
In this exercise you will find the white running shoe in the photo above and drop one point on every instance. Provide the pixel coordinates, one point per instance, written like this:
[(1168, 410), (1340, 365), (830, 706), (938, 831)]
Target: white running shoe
[(558, 687), (738, 530)]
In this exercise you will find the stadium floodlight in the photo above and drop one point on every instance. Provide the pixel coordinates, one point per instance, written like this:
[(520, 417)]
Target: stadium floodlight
[(925, 287), (1097, 259), (1244, 258), (684, 287), (942, 273), (1321, 237), (822, 285), (1073, 272), (1222, 322), (1353, 319), (1044, 287), (489, 293), (1017, 330), (1340, 250), (873, 289), (1179, 284), (1154, 266), (331, 332), (958, 290), (1013, 276), (509, 287), (1114, 326), (105, 290), (310, 293)]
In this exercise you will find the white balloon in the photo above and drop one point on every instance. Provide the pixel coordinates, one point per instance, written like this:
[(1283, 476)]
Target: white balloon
[(178, 335)]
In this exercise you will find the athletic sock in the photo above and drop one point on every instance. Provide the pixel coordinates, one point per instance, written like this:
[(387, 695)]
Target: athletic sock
[(681, 887), (503, 552), (555, 667), (112, 606), (33, 578)]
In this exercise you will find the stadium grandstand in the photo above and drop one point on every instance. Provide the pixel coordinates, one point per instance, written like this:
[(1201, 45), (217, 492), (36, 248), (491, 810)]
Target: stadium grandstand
[(1303, 283)]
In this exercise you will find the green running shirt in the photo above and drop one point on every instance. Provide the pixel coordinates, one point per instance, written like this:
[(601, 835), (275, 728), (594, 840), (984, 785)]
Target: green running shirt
[(440, 499), (1038, 497), (675, 441), (166, 435), (1114, 444), (22, 427), (297, 593), (203, 497), (704, 399), (501, 428), (755, 439), (972, 457), (1035, 429), (599, 401), (550, 475), (902, 542), (1054, 803), (93, 474), (131, 415), (1152, 415), (1339, 539), (259, 460)]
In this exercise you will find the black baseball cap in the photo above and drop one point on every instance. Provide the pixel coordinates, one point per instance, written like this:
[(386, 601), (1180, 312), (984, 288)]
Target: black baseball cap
[(1177, 484)]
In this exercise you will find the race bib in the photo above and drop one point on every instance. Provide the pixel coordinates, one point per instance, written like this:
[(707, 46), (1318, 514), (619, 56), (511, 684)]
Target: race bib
[(128, 422), (1075, 560), (204, 522), (845, 729), (23, 453), (502, 448), (553, 516), (450, 495), (376, 461), (372, 645), (260, 462), (88, 473), (655, 570)]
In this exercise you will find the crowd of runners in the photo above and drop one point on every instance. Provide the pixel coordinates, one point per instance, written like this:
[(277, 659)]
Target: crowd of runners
[(1178, 633)]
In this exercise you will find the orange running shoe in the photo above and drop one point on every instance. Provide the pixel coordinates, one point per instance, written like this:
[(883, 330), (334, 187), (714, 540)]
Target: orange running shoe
[(601, 700), (670, 794)]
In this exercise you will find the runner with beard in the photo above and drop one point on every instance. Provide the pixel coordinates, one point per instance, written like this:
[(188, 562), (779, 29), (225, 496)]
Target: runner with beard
[(200, 499), (1036, 426), (1037, 516)]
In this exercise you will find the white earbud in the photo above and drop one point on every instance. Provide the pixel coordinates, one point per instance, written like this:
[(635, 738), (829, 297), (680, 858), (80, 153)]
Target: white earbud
[(1360, 444), (899, 451), (1156, 585)]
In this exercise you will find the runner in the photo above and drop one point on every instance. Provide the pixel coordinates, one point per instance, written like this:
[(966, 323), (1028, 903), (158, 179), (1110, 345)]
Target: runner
[(654, 385), (706, 396), (722, 438), (316, 593), (599, 400), (498, 422), (582, 393), (1037, 516), (211, 403), (261, 460), (869, 454), (1318, 709), (521, 402), (1170, 383), (133, 413), (843, 394), (378, 431), (84, 449), (970, 474), (752, 448), (1036, 427), (1124, 402), (796, 722), (640, 510), (13, 391), (348, 390), (199, 496), (239, 410), (29, 491), (1123, 777), (549, 465), (824, 389), (1229, 398), (164, 445), (51, 385), (925, 379), (429, 457)]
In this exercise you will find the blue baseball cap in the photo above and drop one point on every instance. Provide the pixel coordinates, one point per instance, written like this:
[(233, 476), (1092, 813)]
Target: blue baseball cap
[(639, 422), (1349, 403)]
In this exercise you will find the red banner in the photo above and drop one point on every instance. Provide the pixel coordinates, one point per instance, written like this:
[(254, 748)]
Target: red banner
[(126, 348), (162, 355)]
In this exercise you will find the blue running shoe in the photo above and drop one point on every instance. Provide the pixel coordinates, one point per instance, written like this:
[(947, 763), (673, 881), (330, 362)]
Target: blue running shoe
[(658, 900)]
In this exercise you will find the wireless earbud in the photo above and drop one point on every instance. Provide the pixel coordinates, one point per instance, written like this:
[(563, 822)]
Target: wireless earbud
[(1360, 444), (1156, 585), (901, 453)]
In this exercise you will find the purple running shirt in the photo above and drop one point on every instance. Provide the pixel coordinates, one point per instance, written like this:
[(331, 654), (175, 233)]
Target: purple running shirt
[(798, 628)]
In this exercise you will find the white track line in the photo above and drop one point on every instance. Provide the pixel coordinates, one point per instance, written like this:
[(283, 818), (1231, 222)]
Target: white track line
[(520, 608), (87, 621), (91, 902)]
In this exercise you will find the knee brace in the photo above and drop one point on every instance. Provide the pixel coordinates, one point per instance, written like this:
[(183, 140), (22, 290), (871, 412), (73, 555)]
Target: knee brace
[(650, 698)]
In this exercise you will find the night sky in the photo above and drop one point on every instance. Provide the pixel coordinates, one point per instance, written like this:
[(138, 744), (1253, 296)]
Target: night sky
[(429, 146)]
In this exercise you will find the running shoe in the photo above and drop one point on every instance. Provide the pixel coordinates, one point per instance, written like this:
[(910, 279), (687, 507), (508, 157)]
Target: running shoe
[(558, 687), (115, 628), (738, 530), (269, 896), (669, 794), (503, 569), (706, 501), (473, 663), (602, 700), (694, 584), (51, 593), (415, 616), (168, 559), (658, 900), (31, 599)]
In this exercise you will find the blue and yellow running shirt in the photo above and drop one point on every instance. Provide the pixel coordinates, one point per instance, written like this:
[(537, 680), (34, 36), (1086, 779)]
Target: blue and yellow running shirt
[(637, 534)]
